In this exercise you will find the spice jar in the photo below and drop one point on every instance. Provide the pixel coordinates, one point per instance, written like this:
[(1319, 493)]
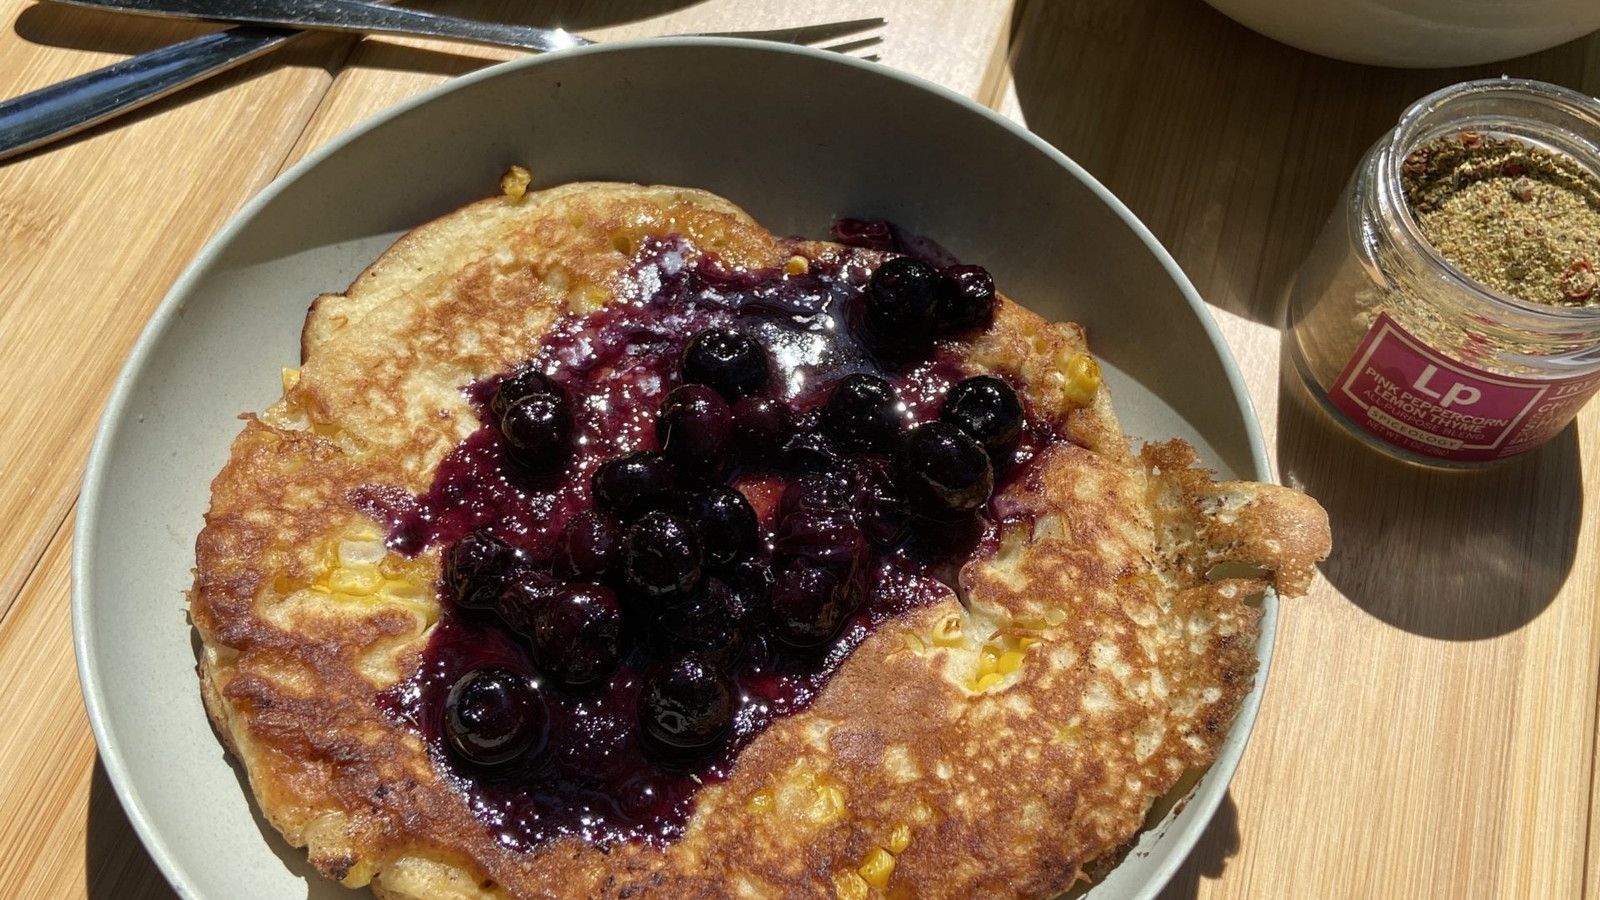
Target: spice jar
[(1448, 313)]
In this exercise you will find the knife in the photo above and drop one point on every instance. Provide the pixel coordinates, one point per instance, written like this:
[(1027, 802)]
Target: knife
[(41, 116)]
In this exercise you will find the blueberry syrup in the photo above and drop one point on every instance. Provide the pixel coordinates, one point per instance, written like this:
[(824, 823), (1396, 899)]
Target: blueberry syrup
[(598, 776)]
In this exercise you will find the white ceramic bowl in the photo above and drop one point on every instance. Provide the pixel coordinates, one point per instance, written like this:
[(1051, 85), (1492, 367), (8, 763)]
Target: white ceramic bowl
[(796, 136), (1418, 33)]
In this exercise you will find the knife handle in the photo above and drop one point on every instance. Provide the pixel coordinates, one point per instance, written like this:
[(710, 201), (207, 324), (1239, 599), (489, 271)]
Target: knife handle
[(41, 116)]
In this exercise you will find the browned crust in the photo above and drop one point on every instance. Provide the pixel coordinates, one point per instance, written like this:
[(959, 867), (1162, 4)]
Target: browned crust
[(1132, 664), (1211, 523)]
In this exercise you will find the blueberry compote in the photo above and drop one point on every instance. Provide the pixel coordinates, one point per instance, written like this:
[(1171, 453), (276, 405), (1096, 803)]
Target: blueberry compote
[(682, 513)]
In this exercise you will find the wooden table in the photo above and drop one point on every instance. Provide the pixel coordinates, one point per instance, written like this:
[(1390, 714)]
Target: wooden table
[(1429, 726)]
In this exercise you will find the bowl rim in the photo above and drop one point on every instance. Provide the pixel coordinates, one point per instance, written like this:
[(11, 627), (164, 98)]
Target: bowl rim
[(96, 472)]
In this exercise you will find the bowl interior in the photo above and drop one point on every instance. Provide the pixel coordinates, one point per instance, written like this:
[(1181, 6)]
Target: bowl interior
[(796, 137)]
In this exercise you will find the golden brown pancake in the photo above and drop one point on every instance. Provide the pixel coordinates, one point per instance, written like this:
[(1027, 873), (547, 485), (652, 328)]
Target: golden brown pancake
[(991, 743)]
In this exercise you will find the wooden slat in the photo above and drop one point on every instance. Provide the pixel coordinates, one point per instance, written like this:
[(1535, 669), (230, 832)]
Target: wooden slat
[(45, 743)]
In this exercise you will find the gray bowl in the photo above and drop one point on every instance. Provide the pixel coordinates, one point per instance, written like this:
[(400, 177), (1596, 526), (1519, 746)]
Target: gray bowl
[(797, 137)]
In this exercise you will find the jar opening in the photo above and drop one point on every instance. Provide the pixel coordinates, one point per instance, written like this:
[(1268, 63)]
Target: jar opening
[(1560, 122)]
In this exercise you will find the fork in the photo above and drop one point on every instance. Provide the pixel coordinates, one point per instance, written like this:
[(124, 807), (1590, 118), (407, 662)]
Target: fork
[(39, 117)]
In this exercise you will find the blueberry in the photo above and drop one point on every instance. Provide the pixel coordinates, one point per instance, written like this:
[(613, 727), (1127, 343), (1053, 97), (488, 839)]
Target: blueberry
[(711, 622), (687, 705), (828, 538), (525, 595), (731, 362), (943, 470), (493, 716), (538, 432), (728, 524), (639, 799), (694, 429), (901, 297), (760, 424), (863, 414), (518, 385), (883, 511), (966, 299), (866, 233), (476, 568), (809, 602), (577, 636), (662, 555), (629, 486), (988, 411), (751, 580), (590, 545), (828, 489), (809, 450)]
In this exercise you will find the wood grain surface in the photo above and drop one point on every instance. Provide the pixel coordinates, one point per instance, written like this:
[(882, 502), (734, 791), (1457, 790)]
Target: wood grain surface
[(1429, 725)]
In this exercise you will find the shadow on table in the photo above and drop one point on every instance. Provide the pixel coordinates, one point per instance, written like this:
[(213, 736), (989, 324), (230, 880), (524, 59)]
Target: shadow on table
[(1478, 560), (1209, 133), (117, 866), (111, 32), (1231, 147), (1217, 844)]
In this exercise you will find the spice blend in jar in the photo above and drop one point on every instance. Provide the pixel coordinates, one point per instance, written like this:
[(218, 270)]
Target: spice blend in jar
[(1448, 313), (1515, 218)]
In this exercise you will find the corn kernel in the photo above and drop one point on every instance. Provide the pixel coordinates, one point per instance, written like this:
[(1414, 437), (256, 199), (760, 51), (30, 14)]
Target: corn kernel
[(290, 378), (1013, 541), (988, 661), (829, 804), (514, 183), (990, 680), (366, 554), (1082, 379), (1009, 662), (877, 867), (900, 839), (797, 265), (1025, 643), (586, 298), (760, 801), (850, 886), (360, 874), (947, 632), (358, 582)]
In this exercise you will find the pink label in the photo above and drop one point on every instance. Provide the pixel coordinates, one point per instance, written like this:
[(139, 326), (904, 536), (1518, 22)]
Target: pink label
[(1403, 391)]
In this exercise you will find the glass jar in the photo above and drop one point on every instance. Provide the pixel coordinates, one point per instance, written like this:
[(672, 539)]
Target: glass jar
[(1410, 353)]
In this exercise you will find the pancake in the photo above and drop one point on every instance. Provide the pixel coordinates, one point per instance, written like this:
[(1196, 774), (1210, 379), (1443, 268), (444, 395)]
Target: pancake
[(1003, 724)]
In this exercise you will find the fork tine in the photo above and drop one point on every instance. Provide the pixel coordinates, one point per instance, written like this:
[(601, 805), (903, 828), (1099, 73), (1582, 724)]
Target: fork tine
[(853, 46), (807, 34)]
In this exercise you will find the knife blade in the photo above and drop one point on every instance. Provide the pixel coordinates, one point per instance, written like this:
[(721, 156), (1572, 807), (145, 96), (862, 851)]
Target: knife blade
[(50, 113)]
